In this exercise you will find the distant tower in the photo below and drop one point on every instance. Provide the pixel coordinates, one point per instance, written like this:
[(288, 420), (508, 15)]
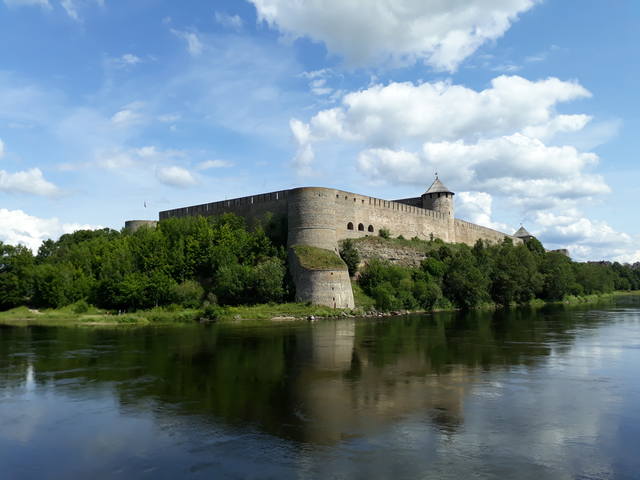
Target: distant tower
[(523, 234), (438, 198)]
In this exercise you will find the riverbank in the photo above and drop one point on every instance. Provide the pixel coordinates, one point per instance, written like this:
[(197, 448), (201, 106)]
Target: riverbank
[(75, 315)]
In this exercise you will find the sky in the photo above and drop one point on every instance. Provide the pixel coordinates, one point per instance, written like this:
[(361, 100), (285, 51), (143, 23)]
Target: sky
[(527, 109)]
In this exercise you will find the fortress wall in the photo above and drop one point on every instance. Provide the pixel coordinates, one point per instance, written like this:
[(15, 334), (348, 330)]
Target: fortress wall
[(312, 218), (470, 233), (250, 208), (399, 218)]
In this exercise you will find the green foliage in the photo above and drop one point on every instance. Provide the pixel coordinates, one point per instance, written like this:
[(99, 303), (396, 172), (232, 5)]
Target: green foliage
[(384, 233), (393, 287), (464, 283), (350, 255), (504, 274), (180, 262)]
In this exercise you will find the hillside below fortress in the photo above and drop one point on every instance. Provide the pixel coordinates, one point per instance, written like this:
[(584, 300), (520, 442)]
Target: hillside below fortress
[(318, 217)]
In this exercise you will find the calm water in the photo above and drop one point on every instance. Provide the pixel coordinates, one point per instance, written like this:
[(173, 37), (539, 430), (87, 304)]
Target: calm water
[(521, 394)]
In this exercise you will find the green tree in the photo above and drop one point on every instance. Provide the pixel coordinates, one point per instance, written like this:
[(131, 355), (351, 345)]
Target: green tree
[(350, 255)]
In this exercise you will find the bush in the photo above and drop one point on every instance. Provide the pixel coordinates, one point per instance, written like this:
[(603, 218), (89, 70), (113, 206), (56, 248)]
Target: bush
[(81, 306), (384, 233), (350, 255), (189, 294)]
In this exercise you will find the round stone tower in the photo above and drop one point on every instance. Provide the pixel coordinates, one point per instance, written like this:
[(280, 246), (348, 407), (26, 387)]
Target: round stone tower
[(439, 198)]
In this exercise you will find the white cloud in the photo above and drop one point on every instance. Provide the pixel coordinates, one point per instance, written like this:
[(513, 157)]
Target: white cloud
[(17, 227), (123, 159), (175, 176), (169, 117), (229, 21), (206, 165), (476, 207), (28, 3), (489, 140), (304, 156), (194, 45), (71, 9), (124, 117), (586, 239), (126, 60), (441, 33), (28, 181), (1, 148), (532, 174), (384, 115)]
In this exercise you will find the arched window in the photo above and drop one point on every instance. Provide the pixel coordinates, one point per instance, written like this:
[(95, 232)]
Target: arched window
[(370, 229), (350, 226), (360, 227)]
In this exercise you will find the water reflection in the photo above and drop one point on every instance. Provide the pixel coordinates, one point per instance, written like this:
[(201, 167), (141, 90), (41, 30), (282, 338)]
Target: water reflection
[(330, 383)]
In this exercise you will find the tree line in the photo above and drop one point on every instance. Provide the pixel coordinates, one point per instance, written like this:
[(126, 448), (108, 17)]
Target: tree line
[(505, 274), (220, 261), (183, 261)]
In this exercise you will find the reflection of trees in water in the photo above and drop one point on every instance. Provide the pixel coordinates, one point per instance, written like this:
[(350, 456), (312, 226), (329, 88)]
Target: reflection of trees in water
[(316, 382)]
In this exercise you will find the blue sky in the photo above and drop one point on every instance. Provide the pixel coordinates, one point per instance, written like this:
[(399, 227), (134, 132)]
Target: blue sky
[(527, 109)]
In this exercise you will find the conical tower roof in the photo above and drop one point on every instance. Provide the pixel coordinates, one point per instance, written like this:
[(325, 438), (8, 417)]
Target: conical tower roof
[(522, 233), (438, 187)]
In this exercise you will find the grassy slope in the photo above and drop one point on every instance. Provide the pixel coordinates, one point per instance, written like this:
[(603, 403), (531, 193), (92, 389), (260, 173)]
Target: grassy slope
[(313, 258)]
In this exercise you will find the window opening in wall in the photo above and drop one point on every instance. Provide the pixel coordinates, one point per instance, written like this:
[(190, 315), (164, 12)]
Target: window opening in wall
[(350, 226), (361, 227), (370, 229)]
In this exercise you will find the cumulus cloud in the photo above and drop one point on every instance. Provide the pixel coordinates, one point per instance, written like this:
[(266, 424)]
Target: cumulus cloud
[(487, 140), (517, 166), (476, 207), (304, 156), (175, 176), (385, 115), (28, 181), (17, 227), (194, 45), (229, 21), (586, 239), (440, 33)]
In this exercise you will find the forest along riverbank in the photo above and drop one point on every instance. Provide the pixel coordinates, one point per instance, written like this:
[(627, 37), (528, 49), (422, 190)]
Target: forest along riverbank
[(85, 315)]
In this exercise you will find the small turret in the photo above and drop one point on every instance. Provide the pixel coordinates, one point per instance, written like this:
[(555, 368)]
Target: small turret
[(523, 234), (438, 198)]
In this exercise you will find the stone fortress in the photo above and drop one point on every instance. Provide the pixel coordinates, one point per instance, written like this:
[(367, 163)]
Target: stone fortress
[(322, 217)]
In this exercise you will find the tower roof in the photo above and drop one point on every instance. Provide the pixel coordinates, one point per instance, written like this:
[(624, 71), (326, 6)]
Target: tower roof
[(438, 187), (522, 233)]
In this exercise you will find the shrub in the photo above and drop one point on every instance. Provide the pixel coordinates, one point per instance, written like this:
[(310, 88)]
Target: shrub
[(188, 293), (384, 233), (350, 255)]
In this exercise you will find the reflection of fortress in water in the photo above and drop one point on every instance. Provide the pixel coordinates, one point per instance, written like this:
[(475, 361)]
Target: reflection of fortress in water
[(319, 382), (348, 391)]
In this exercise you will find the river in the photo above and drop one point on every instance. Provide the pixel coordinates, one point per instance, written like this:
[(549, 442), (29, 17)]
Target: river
[(551, 393)]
